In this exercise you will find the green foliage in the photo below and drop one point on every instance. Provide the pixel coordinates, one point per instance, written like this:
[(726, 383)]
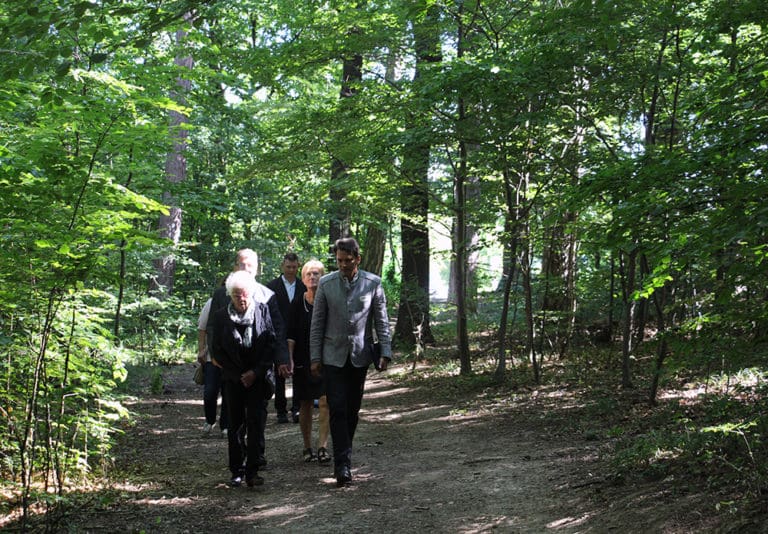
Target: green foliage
[(719, 439), (157, 330), (604, 129), (392, 284), (156, 386), (58, 398)]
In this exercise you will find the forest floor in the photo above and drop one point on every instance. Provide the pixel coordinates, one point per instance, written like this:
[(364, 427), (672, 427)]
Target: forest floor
[(493, 461)]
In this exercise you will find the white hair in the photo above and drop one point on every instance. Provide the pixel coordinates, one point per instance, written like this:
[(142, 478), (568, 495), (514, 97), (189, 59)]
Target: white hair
[(241, 280)]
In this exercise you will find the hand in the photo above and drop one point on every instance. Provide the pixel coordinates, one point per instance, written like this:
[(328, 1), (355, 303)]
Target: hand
[(316, 368), (283, 370), (248, 378), (201, 357), (383, 364), (217, 364)]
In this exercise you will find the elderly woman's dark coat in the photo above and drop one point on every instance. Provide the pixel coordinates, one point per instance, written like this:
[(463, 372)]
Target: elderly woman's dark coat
[(254, 342)]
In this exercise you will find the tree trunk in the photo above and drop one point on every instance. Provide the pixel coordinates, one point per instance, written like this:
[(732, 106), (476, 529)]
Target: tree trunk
[(123, 260), (628, 270), (161, 284), (472, 237), (459, 237), (529, 319), (558, 268), (373, 246), (611, 298), (571, 263), (413, 325), (340, 216), (508, 269), (660, 297), (339, 225), (413, 313), (460, 255), (513, 196)]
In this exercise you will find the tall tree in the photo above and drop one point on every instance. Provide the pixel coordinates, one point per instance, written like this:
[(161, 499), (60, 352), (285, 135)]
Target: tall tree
[(175, 172), (413, 323), (351, 77), (459, 240)]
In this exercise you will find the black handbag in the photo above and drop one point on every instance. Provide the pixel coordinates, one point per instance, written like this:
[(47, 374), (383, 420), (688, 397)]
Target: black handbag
[(377, 356), (375, 351)]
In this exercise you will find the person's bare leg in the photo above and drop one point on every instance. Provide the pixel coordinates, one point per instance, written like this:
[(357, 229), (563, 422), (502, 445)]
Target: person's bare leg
[(323, 419), (305, 422)]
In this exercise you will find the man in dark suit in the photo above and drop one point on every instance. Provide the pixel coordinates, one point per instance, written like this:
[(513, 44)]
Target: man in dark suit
[(287, 288)]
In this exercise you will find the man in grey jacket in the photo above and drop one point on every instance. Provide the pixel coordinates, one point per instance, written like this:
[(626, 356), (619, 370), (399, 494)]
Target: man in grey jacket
[(347, 303)]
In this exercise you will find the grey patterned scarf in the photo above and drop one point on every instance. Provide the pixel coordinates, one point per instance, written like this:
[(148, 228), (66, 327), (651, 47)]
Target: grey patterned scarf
[(253, 321)]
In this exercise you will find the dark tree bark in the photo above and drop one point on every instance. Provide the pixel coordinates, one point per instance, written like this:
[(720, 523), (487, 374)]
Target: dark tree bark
[(627, 271), (471, 238), (373, 246), (413, 314), (513, 227), (161, 283), (339, 225), (460, 254), (660, 299), (459, 237), (525, 266)]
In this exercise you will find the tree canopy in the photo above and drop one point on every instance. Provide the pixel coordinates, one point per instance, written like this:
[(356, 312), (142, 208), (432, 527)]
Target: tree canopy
[(610, 155)]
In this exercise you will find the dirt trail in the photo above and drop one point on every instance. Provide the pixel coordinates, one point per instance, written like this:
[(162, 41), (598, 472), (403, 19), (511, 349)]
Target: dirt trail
[(420, 465)]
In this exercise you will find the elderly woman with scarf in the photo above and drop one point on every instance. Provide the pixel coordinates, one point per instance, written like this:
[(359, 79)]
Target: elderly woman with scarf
[(249, 337)]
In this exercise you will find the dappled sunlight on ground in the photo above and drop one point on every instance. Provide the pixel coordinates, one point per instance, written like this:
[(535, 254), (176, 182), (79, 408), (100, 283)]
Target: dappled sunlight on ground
[(167, 501), (567, 522), (182, 402), (428, 457), (415, 414), (380, 393), (688, 394)]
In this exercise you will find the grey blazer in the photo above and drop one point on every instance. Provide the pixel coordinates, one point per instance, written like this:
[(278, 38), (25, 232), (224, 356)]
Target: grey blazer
[(342, 312)]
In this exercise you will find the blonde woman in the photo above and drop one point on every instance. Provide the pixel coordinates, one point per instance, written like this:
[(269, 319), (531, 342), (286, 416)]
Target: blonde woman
[(306, 387)]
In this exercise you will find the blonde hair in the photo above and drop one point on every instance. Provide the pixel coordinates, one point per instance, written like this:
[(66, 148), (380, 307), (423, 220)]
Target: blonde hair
[(313, 264)]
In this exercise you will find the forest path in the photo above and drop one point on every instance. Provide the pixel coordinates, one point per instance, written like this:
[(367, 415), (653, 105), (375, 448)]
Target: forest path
[(421, 463)]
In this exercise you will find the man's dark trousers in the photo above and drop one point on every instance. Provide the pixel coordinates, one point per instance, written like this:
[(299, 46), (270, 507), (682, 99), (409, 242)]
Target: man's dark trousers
[(281, 401), (344, 392)]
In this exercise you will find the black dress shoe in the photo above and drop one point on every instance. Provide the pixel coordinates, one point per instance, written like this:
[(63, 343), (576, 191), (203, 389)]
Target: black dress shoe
[(253, 479), (343, 477)]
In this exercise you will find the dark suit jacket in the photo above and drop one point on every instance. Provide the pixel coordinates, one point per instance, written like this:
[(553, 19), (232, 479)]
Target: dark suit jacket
[(283, 303)]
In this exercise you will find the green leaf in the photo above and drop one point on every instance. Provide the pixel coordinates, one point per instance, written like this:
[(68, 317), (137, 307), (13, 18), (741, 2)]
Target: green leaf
[(99, 58)]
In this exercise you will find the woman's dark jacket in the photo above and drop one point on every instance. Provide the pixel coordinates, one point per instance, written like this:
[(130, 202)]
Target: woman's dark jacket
[(268, 347)]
